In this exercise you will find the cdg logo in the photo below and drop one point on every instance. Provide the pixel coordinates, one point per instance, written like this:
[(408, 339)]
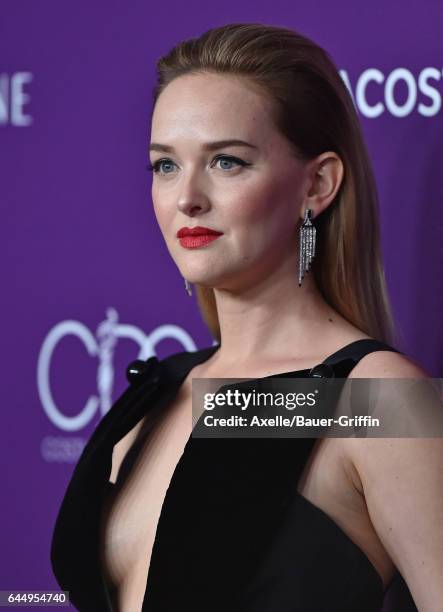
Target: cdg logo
[(100, 346)]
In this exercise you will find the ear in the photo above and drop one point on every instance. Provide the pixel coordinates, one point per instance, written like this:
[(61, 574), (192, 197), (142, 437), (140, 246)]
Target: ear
[(324, 178)]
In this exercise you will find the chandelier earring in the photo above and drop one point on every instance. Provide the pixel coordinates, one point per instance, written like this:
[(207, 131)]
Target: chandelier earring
[(307, 245)]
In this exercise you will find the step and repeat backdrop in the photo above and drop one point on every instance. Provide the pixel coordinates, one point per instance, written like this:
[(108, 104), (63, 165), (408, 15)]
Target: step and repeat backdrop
[(88, 284)]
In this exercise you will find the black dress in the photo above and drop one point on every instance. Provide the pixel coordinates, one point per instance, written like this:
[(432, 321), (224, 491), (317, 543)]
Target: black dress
[(234, 533)]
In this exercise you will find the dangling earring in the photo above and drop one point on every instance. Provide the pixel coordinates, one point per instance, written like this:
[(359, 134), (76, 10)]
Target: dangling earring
[(188, 287), (307, 245)]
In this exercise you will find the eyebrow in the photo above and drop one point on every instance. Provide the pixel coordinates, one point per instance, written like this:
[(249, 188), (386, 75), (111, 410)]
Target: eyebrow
[(208, 146)]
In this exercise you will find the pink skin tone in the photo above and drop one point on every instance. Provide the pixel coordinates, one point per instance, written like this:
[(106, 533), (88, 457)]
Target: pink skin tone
[(258, 208)]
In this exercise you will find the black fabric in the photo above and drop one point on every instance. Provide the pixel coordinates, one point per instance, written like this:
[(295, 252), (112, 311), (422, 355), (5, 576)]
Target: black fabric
[(234, 534)]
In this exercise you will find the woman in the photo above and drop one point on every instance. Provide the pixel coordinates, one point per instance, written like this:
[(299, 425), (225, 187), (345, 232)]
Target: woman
[(253, 135)]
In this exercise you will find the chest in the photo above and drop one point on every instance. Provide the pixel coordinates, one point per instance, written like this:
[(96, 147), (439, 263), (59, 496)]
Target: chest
[(249, 475), (132, 508)]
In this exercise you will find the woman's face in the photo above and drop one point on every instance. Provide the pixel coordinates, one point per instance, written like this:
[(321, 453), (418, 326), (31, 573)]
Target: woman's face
[(250, 192)]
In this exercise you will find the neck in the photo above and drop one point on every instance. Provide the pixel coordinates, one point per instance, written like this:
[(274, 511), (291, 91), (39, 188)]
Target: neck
[(274, 320)]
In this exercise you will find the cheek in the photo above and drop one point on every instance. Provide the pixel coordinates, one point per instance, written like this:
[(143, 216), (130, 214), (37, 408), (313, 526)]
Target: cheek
[(163, 213), (264, 215)]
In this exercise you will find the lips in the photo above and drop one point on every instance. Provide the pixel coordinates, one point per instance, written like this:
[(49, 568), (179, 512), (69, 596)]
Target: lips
[(197, 231), (196, 237)]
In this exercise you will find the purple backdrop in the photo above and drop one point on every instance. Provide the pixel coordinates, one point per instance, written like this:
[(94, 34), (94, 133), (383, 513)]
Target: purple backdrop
[(89, 285)]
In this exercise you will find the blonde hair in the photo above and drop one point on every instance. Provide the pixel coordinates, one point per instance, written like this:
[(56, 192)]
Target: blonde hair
[(314, 110)]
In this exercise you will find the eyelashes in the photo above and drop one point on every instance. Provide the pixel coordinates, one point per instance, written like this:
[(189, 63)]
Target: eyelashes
[(156, 166)]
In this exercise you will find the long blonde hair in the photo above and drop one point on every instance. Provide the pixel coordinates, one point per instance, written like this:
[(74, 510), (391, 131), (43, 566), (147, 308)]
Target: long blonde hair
[(315, 112)]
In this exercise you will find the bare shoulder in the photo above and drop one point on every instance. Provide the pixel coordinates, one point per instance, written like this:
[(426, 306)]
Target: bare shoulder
[(388, 364), (380, 364)]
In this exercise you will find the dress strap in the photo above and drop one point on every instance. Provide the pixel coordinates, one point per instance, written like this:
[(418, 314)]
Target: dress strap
[(346, 358)]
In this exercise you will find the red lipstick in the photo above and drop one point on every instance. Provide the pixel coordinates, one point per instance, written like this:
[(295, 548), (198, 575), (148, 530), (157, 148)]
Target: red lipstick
[(195, 237)]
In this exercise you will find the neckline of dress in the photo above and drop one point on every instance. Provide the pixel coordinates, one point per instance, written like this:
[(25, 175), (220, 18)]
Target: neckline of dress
[(340, 354), (202, 355), (179, 368), (178, 378)]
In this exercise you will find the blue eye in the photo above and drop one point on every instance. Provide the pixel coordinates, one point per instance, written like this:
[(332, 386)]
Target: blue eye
[(229, 159), (159, 164), (155, 167)]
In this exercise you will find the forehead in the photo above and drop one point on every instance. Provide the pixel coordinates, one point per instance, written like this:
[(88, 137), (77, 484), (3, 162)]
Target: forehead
[(212, 106)]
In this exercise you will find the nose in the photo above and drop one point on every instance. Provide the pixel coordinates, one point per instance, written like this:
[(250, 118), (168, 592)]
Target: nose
[(193, 206), (192, 200)]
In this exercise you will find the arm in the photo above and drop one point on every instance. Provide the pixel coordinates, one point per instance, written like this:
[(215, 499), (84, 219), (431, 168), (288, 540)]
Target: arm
[(402, 481)]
